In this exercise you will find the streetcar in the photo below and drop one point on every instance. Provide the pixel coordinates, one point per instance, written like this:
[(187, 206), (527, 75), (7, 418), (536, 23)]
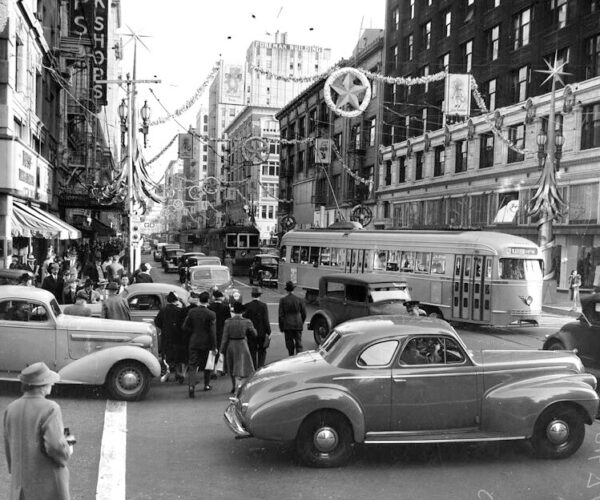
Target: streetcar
[(240, 242), (487, 278)]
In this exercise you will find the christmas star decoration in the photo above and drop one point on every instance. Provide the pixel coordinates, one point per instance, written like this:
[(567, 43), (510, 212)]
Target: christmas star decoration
[(348, 92), (554, 70)]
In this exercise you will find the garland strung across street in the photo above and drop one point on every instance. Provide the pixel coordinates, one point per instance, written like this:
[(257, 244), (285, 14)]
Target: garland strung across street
[(163, 150)]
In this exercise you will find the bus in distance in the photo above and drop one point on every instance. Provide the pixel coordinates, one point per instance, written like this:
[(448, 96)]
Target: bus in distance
[(482, 277)]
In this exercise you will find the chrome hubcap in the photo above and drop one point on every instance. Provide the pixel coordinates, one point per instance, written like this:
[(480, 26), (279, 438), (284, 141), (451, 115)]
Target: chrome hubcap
[(129, 380), (326, 439), (557, 431)]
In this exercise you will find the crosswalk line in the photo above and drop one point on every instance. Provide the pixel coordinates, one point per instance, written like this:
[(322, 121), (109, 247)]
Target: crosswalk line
[(111, 470)]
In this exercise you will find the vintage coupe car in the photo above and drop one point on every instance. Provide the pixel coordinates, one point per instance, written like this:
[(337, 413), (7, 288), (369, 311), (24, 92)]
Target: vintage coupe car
[(347, 296), (582, 335), (264, 269), (404, 379), (208, 277), (120, 355), (170, 258)]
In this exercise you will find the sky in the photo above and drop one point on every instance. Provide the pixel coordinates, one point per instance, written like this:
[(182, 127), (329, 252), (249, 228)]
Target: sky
[(182, 40)]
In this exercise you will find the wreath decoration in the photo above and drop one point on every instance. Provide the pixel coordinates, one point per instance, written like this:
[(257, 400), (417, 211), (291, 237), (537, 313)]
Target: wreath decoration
[(349, 84), (177, 204), (195, 193), (288, 222), (255, 150), (362, 214), (211, 185)]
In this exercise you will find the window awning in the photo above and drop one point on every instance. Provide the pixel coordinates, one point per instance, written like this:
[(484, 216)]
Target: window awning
[(98, 228), (34, 222)]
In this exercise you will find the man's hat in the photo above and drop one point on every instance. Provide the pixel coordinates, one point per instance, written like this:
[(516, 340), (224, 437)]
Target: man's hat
[(217, 294), (256, 292), (30, 257), (172, 297), (289, 286), (38, 374), (112, 286), (411, 303)]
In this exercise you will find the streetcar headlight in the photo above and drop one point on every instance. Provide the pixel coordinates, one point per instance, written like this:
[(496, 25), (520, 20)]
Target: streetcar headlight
[(529, 300)]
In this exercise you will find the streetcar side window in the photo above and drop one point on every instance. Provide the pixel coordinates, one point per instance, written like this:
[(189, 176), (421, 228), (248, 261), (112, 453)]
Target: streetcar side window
[(283, 253), (408, 262), (254, 240), (393, 263), (231, 240), (243, 240), (438, 264), (422, 262), (325, 259), (295, 258), (380, 260), (313, 256)]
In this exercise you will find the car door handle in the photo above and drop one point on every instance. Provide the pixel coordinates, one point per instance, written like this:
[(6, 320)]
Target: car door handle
[(399, 380)]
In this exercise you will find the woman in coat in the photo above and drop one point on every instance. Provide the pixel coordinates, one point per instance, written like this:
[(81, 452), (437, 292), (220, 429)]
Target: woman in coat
[(36, 448), (173, 342), (235, 347)]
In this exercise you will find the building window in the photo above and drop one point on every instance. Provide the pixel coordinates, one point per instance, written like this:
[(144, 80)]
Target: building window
[(462, 149), (519, 83), (396, 19), (388, 172), (559, 13), (583, 204), (468, 55), (521, 28), (426, 29), (445, 62), (592, 56), (409, 47), (337, 141), (593, 6), (491, 94), (401, 169), (424, 119), (493, 43), (300, 166), (590, 126), (486, 150), (412, 9), (419, 166), (312, 120), (386, 209), (372, 132), (447, 17), (301, 132), (20, 65), (439, 161), (469, 11), (356, 137), (516, 135)]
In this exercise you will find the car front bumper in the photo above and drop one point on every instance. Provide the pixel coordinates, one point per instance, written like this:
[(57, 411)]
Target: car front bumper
[(234, 422)]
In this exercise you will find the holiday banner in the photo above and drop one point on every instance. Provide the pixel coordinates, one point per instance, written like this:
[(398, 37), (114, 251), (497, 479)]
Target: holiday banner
[(457, 99)]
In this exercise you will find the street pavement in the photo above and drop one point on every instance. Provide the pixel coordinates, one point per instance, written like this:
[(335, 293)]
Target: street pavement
[(173, 447)]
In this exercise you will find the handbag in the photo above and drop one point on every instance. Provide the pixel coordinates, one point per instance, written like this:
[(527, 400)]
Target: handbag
[(210, 361), (219, 366)]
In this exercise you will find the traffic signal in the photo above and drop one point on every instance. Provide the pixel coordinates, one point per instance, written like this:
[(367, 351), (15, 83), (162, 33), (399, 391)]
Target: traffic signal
[(135, 233)]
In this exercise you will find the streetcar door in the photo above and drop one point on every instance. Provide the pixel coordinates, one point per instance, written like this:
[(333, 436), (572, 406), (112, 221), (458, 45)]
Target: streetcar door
[(477, 302), (457, 286), (486, 285), (466, 289)]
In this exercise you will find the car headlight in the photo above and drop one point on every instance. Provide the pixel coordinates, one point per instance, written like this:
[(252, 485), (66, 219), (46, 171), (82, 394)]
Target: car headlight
[(267, 274)]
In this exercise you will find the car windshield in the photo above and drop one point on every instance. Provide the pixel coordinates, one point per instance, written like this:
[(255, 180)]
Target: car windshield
[(216, 275), (55, 307), (387, 293), (520, 269), (330, 343), (268, 261)]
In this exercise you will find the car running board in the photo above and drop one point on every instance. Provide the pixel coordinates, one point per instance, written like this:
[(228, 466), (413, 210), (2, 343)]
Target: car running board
[(463, 436)]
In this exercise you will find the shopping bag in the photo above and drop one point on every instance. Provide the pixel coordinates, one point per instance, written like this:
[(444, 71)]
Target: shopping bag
[(210, 361), (219, 367)]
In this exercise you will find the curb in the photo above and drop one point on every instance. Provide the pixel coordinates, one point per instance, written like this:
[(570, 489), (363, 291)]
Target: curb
[(561, 311)]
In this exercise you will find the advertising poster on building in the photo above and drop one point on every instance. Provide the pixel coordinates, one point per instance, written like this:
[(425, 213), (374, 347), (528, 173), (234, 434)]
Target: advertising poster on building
[(458, 95), (232, 84), (322, 151)]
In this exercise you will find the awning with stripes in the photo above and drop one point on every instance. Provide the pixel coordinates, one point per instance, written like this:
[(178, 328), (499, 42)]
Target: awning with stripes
[(37, 223)]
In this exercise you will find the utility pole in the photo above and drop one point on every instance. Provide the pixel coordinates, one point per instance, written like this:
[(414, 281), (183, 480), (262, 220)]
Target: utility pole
[(131, 149)]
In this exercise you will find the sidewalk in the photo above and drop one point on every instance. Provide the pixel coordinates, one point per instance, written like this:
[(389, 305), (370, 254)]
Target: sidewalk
[(562, 305)]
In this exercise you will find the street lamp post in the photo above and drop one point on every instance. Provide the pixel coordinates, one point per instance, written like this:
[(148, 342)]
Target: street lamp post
[(546, 203)]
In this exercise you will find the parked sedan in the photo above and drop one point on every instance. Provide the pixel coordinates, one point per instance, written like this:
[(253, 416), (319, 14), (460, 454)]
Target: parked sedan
[(582, 335), (408, 380), (210, 277), (120, 355)]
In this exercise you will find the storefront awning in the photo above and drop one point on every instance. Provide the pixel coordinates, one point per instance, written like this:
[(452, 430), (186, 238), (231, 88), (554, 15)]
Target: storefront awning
[(34, 222), (97, 228)]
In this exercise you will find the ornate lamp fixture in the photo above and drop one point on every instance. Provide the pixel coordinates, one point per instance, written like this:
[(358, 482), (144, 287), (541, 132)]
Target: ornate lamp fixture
[(123, 115), (145, 115)]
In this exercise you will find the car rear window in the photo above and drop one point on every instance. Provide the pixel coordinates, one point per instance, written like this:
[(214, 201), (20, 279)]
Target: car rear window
[(379, 354)]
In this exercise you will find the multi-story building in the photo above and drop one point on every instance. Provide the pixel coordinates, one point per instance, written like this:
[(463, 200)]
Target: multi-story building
[(253, 184), (481, 173), (318, 192)]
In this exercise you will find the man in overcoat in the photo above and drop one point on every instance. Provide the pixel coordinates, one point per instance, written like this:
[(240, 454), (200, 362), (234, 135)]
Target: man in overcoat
[(36, 448), (53, 282), (115, 306), (201, 324), (258, 312), (292, 314)]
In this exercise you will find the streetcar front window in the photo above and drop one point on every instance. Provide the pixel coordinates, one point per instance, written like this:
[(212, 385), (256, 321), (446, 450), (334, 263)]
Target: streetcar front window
[(520, 269)]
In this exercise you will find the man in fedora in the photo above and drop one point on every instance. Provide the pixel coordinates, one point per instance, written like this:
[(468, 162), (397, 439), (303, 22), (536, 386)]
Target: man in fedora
[(257, 312), (80, 308), (292, 314), (115, 306), (36, 448)]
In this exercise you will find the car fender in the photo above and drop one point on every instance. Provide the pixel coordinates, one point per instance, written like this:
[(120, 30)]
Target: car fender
[(322, 313), (513, 409), (564, 337), (93, 368), (280, 418)]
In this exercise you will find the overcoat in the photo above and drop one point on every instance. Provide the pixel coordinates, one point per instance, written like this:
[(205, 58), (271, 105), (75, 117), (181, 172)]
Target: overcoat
[(36, 449), (222, 312), (116, 307), (235, 346), (258, 312), (292, 313), (200, 322), (172, 340)]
